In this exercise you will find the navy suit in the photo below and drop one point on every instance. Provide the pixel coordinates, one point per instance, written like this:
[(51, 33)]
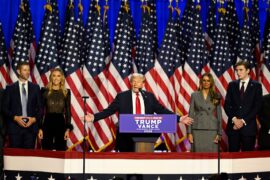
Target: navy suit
[(244, 108), (21, 137), (2, 132), (264, 118), (123, 105)]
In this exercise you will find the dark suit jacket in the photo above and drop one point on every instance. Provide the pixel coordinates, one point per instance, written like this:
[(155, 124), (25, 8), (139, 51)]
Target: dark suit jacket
[(264, 118), (2, 123), (246, 108), (123, 105), (12, 106)]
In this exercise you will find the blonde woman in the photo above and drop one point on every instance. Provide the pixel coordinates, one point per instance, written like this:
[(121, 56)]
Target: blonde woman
[(56, 125), (205, 109)]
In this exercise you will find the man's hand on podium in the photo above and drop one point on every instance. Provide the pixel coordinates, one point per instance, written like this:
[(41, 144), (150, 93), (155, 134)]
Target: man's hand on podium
[(186, 120), (89, 117)]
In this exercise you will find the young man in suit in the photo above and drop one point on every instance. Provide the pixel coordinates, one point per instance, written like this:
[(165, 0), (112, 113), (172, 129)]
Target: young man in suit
[(22, 108), (2, 133), (242, 104), (264, 118), (126, 103)]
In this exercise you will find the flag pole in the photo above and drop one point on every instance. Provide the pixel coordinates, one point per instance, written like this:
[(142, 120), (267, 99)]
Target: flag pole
[(84, 132)]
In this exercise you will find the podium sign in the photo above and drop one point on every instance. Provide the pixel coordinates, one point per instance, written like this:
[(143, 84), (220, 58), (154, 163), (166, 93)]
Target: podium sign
[(147, 123)]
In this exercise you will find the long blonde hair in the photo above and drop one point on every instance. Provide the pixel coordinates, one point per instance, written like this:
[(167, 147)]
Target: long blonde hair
[(62, 82)]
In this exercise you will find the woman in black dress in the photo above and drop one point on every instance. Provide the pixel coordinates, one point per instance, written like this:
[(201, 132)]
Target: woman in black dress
[(56, 125)]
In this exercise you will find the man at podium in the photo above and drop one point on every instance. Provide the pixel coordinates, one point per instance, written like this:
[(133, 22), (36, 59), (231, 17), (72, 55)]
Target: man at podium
[(133, 101)]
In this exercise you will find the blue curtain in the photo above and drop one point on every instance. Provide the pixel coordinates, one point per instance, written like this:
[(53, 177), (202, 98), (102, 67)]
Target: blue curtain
[(9, 11)]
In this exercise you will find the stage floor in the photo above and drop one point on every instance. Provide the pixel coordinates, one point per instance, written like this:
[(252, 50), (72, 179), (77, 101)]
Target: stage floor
[(38, 164)]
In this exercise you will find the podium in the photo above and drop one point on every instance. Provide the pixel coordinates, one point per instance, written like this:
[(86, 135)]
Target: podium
[(146, 128)]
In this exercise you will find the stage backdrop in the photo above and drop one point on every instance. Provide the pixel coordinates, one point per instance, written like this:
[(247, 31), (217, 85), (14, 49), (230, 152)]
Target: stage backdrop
[(98, 48)]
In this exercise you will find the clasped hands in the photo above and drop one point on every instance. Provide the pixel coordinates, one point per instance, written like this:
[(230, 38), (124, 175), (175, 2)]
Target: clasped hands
[(24, 121), (238, 123)]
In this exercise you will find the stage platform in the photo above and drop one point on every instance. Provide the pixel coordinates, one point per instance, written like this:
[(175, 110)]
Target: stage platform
[(51, 165)]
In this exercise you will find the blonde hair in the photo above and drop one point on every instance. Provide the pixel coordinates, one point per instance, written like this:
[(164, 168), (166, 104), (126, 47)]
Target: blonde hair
[(62, 82), (134, 75)]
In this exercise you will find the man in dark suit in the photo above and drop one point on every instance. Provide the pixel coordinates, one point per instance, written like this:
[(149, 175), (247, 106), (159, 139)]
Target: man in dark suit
[(242, 104), (128, 102), (264, 118), (2, 133), (22, 108)]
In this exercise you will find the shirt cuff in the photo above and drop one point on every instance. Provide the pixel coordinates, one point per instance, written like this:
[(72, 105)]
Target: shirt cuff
[(244, 122), (233, 119)]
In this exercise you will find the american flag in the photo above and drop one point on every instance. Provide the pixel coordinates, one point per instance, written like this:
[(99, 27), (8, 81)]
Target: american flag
[(95, 82), (165, 68), (74, 78), (121, 65), (245, 48), (58, 32), (88, 31), (232, 28), (186, 29), (81, 31), (255, 32), (181, 141), (265, 68), (22, 45), (196, 57), (221, 63), (146, 51), (266, 30), (187, 22), (211, 24), (4, 74), (106, 35), (47, 53)]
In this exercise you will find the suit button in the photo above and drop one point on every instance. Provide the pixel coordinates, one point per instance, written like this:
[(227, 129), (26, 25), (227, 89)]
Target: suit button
[(240, 107)]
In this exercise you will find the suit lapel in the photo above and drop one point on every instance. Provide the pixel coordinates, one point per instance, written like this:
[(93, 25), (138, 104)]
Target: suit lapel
[(130, 105), (17, 92), (249, 87), (237, 88), (29, 94)]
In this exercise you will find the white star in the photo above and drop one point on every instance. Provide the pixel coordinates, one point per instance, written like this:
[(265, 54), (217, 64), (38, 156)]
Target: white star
[(257, 178), (91, 178), (18, 177), (51, 178), (180, 178), (242, 178), (202, 178), (158, 178)]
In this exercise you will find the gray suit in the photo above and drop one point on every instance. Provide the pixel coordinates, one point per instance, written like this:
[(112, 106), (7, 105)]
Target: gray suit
[(207, 122)]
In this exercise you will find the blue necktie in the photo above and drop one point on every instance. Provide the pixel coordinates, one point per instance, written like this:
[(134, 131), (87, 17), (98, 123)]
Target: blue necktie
[(24, 101)]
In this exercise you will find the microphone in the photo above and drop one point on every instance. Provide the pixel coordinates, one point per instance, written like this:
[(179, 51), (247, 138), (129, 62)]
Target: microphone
[(217, 98), (85, 97), (142, 92)]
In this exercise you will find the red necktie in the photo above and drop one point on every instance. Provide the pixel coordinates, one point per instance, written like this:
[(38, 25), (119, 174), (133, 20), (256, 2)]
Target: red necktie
[(138, 104)]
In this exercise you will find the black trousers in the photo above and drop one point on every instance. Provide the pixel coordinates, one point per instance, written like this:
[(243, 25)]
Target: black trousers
[(54, 128), (24, 138), (239, 142)]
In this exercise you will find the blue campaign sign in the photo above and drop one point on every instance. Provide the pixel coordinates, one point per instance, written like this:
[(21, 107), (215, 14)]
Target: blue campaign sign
[(147, 123)]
